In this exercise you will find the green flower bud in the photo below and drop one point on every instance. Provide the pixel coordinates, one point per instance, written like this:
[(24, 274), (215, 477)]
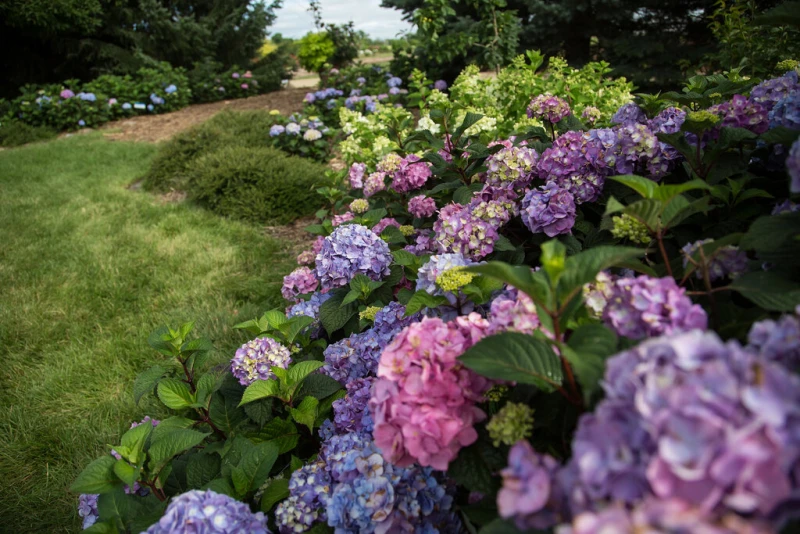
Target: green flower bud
[(453, 279), (511, 424), (626, 227), (369, 313)]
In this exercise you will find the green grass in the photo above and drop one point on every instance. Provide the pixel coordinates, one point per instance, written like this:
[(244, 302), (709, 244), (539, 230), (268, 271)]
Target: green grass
[(88, 268)]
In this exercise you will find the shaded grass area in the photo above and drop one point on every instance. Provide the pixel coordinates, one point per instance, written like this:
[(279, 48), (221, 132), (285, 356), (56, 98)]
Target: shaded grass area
[(88, 269)]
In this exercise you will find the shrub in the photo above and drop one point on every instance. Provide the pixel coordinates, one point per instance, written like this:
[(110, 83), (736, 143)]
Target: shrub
[(315, 51), (16, 133), (256, 184)]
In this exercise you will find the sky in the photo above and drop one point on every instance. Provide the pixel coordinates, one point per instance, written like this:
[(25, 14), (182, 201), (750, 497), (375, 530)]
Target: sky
[(295, 21)]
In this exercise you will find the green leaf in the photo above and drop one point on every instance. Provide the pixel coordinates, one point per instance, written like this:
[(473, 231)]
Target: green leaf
[(393, 235), (306, 412), (469, 119), (171, 444), (101, 527), (261, 389), (316, 229), (319, 386), (515, 357), (403, 257), (501, 526), (281, 432), (133, 440), (768, 290), (275, 318), (171, 423), (97, 477), (275, 492), (462, 195), (503, 244), (125, 471), (114, 505), (422, 299), (221, 485), (206, 386), (786, 14), (583, 267), (470, 470), (333, 315), (225, 413), (668, 191), (644, 186), (157, 341), (257, 463), (146, 382), (259, 411), (175, 394), (780, 135), (647, 211), (202, 469), (299, 371), (521, 277), (291, 328)]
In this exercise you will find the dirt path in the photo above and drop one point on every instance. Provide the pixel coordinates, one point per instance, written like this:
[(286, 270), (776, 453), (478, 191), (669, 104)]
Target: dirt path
[(155, 128)]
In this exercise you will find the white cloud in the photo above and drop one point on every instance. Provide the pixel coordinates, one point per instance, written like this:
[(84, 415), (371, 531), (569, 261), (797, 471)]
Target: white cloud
[(294, 19)]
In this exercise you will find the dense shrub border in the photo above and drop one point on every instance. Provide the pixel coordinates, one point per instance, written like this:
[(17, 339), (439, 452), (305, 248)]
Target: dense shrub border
[(586, 329)]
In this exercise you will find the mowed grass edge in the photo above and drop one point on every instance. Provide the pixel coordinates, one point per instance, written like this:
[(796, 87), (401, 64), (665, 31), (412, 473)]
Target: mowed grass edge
[(88, 268)]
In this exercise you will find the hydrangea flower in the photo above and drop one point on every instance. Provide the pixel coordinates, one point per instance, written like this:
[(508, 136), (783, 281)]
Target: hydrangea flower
[(208, 512), (786, 206), (649, 307), (440, 85), (87, 509), (422, 206), (312, 135), (769, 92), (276, 130), (777, 341), (786, 112), (548, 209), (411, 174), (576, 162), (548, 107), (381, 225), (740, 112), (308, 487), (66, 94), (513, 311), (254, 360), (350, 413), (298, 282), (457, 230), (424, 404), (374, 183), (514, 422), (591, 114), (515, 165), (310, 308), (91, 97), (356, 175), (793, 167), (171, 88), (436, 265), (359, 205), (726, 262), (352, 249), (342, 218), (245, 86), (529, 493), (629, 113), (390, 163), (394, 81)]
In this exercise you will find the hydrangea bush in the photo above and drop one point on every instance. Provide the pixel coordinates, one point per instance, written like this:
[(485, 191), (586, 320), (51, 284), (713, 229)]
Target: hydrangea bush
[(586, 326)]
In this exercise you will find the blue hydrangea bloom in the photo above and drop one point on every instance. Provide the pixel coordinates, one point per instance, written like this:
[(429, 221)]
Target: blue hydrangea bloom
[(352, 249), (210, 513)]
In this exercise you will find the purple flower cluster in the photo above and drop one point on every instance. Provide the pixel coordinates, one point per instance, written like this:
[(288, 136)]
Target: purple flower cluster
[(668, 121), (548, 107), (777, 341), (254, 360), (457, 230), (310, 308), (513, 311), (210, 513), (411, 174), (793, 167), (576, 162), (355, 490), (352, 249), (786, 112), (350, 414), (769, 92), (323, 94), (356, 175), (725, 262), (422, 206), (649, 307), (342, 218), (740, 112), (374, 183), (298, 282), (87, 509), (440, 85), (629, 113), (381, 225), (548, 209), (515, 165)]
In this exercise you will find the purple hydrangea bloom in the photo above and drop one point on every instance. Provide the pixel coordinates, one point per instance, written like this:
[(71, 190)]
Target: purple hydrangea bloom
[(793, 167), (356, 175), (299, 282), (530, 494), (548, 107), (308, 490), (411, 174), (786, 206), (668, 121), (440, 85), (352, 249), (726, 262), (422, 206), (394, 81), (374, 183), (81, 122), (629, 113), (458, 230), (390, 320), (650, 307), (777, 341), (350, 414), (276, 130), (89, 97), (769, 92), (576, 162), (637, 149), (548, 209), (740, 112), (591, 114), (344, 363), (293, 128), (87, 509), (515, 165), (155, 99), (147, 419), (210, 513), (786, 112), (66, 94), (310, 308), (126, 106), (381, 225), (361, 80), (254, 360)]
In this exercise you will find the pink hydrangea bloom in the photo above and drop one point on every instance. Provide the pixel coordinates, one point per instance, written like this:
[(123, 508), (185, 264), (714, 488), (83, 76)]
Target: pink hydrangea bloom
[(356, 175), (514, 312), (298, 282), (383, 223), (343, 218), (306, 257), (412, 173), (424, 403), (317, 246), (421, 206), (374, 183)]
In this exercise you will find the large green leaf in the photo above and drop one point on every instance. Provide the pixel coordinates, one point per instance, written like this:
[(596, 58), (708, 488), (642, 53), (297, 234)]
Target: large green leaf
[(515, 357), (225, 413), (582, 268), (276, 491), (281, 432), (768, 290), (171, 444), (521, 277), (97, 477), (422, 299), (644, 186), (261, 389), (146, 382), (202, 469), (319, 386), (175, 394), (257, 463), (333, 315), (300, 370), (306, 412)]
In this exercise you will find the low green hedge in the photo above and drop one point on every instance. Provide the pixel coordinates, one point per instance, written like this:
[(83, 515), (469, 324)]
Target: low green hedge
[(16, 133)]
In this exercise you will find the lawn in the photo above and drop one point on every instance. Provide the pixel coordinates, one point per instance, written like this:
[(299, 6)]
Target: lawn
[(88, 268)]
